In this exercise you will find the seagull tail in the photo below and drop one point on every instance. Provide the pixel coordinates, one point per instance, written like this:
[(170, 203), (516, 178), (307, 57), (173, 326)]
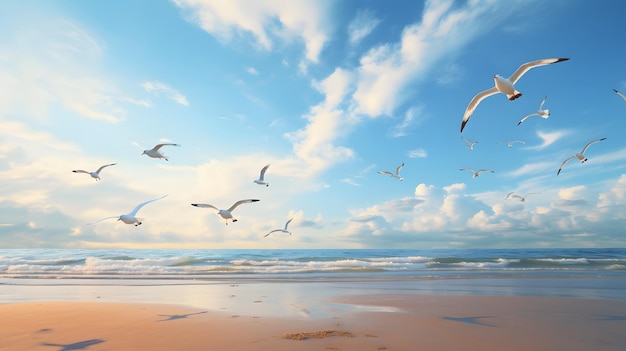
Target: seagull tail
[(516, 94)]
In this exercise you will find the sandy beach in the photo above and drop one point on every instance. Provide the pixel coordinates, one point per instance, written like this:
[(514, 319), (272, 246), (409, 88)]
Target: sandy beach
[(368, 322)]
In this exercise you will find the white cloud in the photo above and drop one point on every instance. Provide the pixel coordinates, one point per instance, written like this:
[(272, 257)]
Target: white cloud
[(418, 153), (548, 138), (266, 21), (412, 117), (361, 26), (387, 70), (252, 71), (171, 93)]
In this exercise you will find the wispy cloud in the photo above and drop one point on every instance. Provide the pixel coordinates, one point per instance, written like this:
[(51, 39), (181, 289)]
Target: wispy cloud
[(171, 93), (412, 117), (418, 153), (238, 18), (362, 25), (548, 138), (252, 71)]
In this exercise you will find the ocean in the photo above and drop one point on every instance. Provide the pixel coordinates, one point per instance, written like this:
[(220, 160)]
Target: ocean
[(211, 278), (301, 263)]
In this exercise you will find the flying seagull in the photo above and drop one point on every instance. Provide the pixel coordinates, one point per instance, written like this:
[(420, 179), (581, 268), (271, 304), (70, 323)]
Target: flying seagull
[(155, 153), (396, 175), (227, 214), (130, 218), (281, 230), (520, 197), (505, 86), (541, 113), (470, 144), (95, 175), (620, 94), (511, 142), (580, 156), (261, 180), (475, 172)]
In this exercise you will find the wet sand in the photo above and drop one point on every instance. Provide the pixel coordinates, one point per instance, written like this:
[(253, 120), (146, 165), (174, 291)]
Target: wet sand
[(368, 322)]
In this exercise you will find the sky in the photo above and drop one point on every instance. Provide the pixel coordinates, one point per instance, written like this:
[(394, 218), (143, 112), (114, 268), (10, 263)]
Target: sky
[(326, 92)]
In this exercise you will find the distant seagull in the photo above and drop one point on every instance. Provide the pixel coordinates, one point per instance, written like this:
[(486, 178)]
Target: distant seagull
[(281, 230), (541, 113), (620, 94), (227, 214), (509, 143), (580, 156), (505, 86), (95, 175), (475, 172), (261, 180), (396, 175), (130, 218), (520, 197), (470, 144), (155, 153)]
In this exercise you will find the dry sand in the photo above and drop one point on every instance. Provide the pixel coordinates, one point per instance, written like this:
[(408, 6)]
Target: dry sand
[(416, 322)]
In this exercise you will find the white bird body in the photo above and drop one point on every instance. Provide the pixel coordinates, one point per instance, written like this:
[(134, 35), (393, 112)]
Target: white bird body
[(155, 153), (281, 230), (520, 197), (541, 112), (505, 86), (261, 180), (620, 94), (475, 173), (580, 156), (130, 218), (470, 144), (227, 214), (96, 174), (394, 175)]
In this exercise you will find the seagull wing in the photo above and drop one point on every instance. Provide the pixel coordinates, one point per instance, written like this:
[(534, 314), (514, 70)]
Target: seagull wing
[(531, 194), (262, 176), (158, 146), (103, 219), (542, 102), (99, 169), (398, 168), (466, 140), (138, 207), (205, 206), (525, 117), (474, 103), (591, 142), (273, 231), (467, 169), (80, 171), (485, 170), (385, 172), (620, 94), (563, 164), (241, 202), (509, 195), (518, 141), (529, 65), (286, 224)]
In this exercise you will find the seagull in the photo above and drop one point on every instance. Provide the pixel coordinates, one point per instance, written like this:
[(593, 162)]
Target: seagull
[(620, 94), (511, 142), (227, 214), (541, 113), (130, 218), (396, 175), (475, 172), (580, 156), (505, 86), (95, 175), (281, 230), (470, 144), (521, 198), (154, 152), (261, 180)]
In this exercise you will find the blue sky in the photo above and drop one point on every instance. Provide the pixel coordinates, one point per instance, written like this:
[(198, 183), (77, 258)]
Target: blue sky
[(328, 93)]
